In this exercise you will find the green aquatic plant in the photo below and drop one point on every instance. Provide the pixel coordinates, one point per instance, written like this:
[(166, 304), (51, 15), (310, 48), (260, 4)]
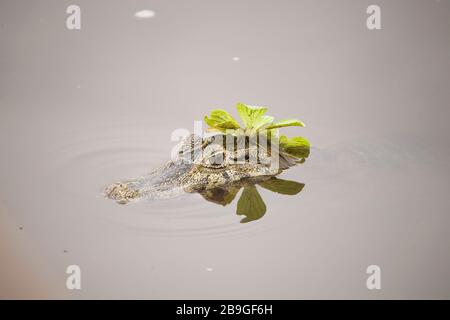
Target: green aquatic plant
[(218, 166), (255, 121)]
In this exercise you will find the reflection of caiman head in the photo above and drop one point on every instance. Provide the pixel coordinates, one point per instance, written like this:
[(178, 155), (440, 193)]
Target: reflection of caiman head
[(209, 166)]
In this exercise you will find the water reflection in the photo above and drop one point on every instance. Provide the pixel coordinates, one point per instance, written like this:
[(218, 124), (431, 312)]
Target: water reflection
[(250, 204)]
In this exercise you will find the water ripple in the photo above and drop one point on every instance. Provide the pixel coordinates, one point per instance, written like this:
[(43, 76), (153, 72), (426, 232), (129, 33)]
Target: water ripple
[(92, 159)]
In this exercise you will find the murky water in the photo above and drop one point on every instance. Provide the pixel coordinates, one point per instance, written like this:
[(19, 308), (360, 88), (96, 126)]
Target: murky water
[(82, 109)]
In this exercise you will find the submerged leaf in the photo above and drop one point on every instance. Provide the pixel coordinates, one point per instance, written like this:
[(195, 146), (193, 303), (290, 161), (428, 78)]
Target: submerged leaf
[(282, 186), (250, 204), (286, 123), (250, 114)]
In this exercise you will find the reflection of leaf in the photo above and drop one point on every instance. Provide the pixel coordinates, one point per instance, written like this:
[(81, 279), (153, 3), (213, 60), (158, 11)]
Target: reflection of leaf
[(287, 187), (221, 196), (250, 204)]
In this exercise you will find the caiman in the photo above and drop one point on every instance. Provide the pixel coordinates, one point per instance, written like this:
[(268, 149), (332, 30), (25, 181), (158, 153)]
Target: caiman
[(211, 166)]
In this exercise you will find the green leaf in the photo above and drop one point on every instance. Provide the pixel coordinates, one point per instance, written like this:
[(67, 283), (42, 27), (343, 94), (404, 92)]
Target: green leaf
[(261, 122), (282, 186), (221, 120), (251, 205), (286, 123), (250, 114), (297, 146)]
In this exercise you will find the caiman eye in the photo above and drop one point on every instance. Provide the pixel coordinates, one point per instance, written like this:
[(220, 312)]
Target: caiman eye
[(213, 165), (216, 165)]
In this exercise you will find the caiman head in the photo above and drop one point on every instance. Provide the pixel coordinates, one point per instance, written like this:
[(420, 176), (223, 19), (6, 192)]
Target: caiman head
[(203, 164)]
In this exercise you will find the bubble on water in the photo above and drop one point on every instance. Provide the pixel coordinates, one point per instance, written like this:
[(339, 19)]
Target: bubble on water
[(144, 14)]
